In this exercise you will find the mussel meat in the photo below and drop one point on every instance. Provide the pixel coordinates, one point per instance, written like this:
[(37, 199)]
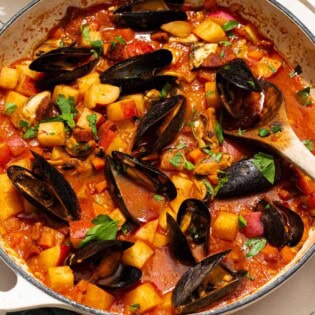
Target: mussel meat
[(137, 74), (135, 15), (103, 266), (64, 65), (46, 189), (282, 226), (159, 125), (243, 178), (205, 283)]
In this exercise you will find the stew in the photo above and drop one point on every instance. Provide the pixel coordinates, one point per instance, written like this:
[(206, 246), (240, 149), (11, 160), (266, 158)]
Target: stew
[(118, 184)]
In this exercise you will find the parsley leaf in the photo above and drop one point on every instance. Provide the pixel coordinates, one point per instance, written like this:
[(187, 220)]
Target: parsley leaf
[(225, 43), (120, 39), (303, 96), (241, 222), (209, 93), (134, 308), (85, 32), (92, 122), (158, 198), (126, 228), (230, 25), (254, 246), (105, 229), (240, 131), (10, 108), (221, 54), (251, 84), (66, 105), (209, 187), (276, 128), (181, 145), (272, 69), (31, 132), (263, 132), (222, 181), (188, 165), (177, 159), (23, 124), (219, 132), (309, 144), (297, 70), (266, 165), (165, 90), (248, 275)]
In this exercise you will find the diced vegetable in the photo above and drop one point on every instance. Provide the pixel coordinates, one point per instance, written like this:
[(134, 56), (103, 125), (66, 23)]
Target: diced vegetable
[(220, 16), (10, 201), (137, 255), (145, 296), (92, 37), (101, 94), (5, 154), (16, 145), (50, 237), (212, 96), (254, 227), (267, 67), (177, 28), (26, 85), (118, 216), (17, 100), (83, 119), (209, 31), (122, 109), (78, 231), (117, 144), (53, 257), (162, 217), (60, 278), (85, 82), (147, 231), (139, 100), (226, 226), (8, 78), (51, 133), (160, 240)]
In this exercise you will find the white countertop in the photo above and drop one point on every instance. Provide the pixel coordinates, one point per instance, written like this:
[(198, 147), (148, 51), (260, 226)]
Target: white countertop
[(295, 297)]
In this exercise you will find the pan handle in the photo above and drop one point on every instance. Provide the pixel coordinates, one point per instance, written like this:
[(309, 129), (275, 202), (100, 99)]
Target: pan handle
[(24, 296)]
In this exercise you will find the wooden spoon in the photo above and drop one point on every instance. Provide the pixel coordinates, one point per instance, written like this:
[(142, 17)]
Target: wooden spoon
[(285, 143)]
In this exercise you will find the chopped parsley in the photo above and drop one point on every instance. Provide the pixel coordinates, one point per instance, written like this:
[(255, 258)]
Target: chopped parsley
[(249, 276), (221, 54), (225, 43), (309, 144), (222, 181), (276, 128), (209, 187), (240, 131), (134, 308), (209, 93), (254, 246), (68, 110), (179, 159), (297, 70), (241, 222), (126, 228), (97, 45), (117, 39), (230, 25), (10, 108), (165, 90), (92, 122), (219, 132), (216, 156), (31, 132), (23, 124), (272, 69), (251, 84), (181, 145), (303, 96), (105, 229), (158, 198), (263, 132), (266, 165)]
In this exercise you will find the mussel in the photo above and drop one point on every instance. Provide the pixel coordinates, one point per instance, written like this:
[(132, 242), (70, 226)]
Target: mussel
[(137, 74), (135, 15), (46, 189), (247, 101), (146, 175), (103, 266), (282, 226), (64, 65), (243, 178), (205, 283), (159, 125), (191, 226)]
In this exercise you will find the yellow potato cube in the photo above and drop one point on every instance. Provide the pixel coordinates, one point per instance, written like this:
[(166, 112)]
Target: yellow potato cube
[(160, 240), (175, 203), (65, 90), (144, 297), (118, 144), (51, 257), (209, 31), (97, 297), (212, 96), (226, 225), (101, 94), (137, 255), (139, 100), (118, 216), (26, 163), (123, 109), (19, 100), (10, 200), (51, 133), (162, 217), (85, 82), (147, 231), (8, 78), (177, 28), (60, 278), (83, 122), (23, 69)]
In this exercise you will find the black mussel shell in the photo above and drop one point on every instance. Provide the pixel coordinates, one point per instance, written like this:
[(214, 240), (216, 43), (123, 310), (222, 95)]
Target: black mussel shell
[(38, 192), (145, 20), (198, 289), (62, 187), (282, 226), (64, 65), (137, 74), (124, 277), (95, 248), (111, 172), (178, 243), (159, 126), (244, 178), (195, 216), (145, 174)]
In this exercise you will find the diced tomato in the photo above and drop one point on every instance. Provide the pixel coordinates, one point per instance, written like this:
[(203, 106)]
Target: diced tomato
[(27, 86), (107, 134), (78, 231), (306, 184), (138, 47), (16, 145), (311, 201), (5, 154), (254, 227), (130, 110)]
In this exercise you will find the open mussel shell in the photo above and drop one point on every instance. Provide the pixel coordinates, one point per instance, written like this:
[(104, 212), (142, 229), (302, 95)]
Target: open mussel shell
[(137, 74), (244, 178), (62, 187), (64, 65), (194, 217), (145, 174), (160, 125), (282, 226), (128, 15), (204, 283)]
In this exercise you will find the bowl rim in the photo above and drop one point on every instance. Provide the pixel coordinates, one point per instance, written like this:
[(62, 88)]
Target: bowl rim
[(237, 305)]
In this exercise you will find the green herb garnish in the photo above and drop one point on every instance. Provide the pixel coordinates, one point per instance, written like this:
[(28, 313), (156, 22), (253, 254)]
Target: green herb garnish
[(10, 108), (230, 25), (92, 123), (266, 165), (240, 132), (165, 90), (308, 144), (31, 132), (225, 43), (158, 198), (276, 128), (254, 246), (303, 96), (297, 70), (241, 222), (23, 124), (134, 308), (219, 132), (263, 132), (177, 159)]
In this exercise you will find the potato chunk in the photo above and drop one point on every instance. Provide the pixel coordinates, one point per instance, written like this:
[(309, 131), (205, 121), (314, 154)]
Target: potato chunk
[(60, 278), (101, 94), (209, 31), (51, 133), (226, 225), (8, 78)]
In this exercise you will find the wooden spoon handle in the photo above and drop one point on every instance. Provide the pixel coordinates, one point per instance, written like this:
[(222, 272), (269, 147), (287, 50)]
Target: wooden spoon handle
[(296, 153)]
